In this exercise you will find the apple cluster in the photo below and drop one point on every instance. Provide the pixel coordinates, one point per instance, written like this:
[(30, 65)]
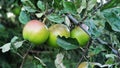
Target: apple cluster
[(38, 33)]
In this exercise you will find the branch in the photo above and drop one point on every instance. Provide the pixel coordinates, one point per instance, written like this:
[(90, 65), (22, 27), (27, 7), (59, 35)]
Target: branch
[(37, 52), (84, 52), (72, 19), (24, 57), (116, 52), (76, 22)]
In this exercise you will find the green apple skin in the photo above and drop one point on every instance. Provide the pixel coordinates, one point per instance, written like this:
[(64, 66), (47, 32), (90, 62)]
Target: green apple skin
[(16, 10), (86, 65), (36, 32), (81, 36), (57, 30)]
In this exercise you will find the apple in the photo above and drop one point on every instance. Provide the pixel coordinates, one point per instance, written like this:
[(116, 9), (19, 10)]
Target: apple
[(86, 65), (57, 30), (16, 10), (81, 36), (36, 32)]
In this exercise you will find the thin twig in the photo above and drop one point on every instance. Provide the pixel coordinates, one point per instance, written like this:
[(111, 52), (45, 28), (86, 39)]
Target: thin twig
[(37, 52), (19, 55), (84, 53), (40, 60), (24, 57)]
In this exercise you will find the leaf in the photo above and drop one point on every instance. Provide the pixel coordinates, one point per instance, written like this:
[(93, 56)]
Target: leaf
[(83, 6), (24, 0), (67, 21), (110, 56), (92, 28), (96, 50), (58, 61), (5, 47), (39, 15), (67, 43), (110, 61), (24, 18), (69, 7), (41, 5), (77, 3), (18, 44), (28, 3), (14, 39), (29, 9), (113, 18), (55, 18), (91, 4), (110, 4), (57, 4)]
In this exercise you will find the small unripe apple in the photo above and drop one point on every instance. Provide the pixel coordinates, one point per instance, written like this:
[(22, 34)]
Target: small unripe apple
[(57, 30), (81, 36), (36, 32), (86, 65), (16, 10)]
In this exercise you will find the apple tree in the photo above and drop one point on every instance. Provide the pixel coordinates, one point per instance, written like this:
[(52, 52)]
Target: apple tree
[(59, 33)]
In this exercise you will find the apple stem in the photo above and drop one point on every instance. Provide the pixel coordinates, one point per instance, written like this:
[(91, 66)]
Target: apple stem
[(44, 20)]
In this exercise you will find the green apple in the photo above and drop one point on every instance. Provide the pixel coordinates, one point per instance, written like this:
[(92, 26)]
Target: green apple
[(16, 10), (57, 30), (36, 32), (86, 65), (81, 36)]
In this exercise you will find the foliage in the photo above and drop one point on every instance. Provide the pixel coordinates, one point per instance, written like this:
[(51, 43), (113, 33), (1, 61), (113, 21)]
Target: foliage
[(102, 19)]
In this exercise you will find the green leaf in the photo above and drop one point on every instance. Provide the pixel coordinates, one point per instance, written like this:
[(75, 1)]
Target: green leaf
[(57, 4), (77, 3), (24, 18), (29, 9), (110, 61), (96, 50), (14, 39), (113, 18), (67, 43), (55, 18), (5, 47), (28, 3), (82, 6), (41, 5), (110, 4), (91, 4), (93, 31), (18, 44), (110, 56), (69, 7), (39, 15)]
